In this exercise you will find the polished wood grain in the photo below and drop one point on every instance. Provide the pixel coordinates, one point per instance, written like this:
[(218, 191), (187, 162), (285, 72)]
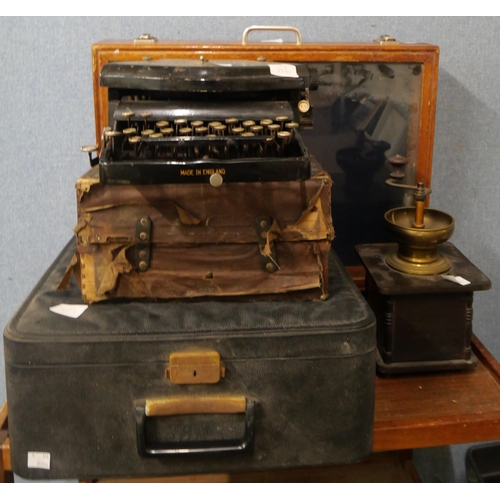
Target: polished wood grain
[(417, 411), (5, 465)]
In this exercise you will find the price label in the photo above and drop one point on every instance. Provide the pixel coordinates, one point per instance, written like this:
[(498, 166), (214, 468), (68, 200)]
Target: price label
[(38, 460), (69, 310), (280, 69)]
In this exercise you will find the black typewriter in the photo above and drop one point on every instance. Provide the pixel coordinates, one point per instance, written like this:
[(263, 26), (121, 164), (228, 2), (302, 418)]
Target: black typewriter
[(199, 121)]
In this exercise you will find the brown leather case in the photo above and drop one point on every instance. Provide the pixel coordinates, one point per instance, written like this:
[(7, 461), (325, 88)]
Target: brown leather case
[(200, 241)]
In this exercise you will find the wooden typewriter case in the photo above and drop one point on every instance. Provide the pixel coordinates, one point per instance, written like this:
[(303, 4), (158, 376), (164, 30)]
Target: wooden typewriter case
[(374, 100)]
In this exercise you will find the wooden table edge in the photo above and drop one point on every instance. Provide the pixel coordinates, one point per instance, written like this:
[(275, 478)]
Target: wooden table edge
[(423, 433)]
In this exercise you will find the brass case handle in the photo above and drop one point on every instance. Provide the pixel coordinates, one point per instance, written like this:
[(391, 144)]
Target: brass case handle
[(244, 40), (193, 405)]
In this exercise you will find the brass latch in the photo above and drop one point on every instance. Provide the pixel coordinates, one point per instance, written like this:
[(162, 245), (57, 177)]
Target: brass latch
[(203, 367)]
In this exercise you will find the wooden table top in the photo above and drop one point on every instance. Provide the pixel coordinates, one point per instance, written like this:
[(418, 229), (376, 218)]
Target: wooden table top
[(436, 409)]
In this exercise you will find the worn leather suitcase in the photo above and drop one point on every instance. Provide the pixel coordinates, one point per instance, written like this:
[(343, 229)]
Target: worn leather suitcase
[(178, 387), (202, 242)]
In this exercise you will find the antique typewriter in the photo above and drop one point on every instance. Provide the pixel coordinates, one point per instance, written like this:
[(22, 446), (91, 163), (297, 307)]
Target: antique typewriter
[(200, 121)]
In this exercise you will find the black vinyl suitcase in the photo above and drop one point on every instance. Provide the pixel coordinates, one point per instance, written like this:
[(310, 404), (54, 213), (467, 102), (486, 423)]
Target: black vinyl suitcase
[(184, 387)]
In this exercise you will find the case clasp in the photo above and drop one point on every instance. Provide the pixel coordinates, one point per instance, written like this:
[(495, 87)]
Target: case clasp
[(203, 367)]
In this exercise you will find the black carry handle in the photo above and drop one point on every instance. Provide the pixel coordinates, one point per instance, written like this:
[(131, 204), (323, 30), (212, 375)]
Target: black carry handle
[(184, 406)]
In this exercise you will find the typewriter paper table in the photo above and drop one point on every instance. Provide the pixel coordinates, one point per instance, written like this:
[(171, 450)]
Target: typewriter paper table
[(411, 411)]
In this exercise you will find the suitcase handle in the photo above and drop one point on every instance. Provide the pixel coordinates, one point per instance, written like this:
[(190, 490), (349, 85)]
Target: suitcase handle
[(244, 40), (190, 406)]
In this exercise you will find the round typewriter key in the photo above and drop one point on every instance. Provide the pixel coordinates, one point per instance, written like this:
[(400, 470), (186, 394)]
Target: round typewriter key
[(178, 124), (161, 124), (167, 131), (156, 135), (281, 120), (201, 130), (135, 140), (220, 129), (147, 132), (291, 126), (197, 123), (257, 129), (266, 122), (128, 115), (231, 123), (185, 131), (111, 134), (238, 130), (247, 124), (146, 117), (211, 126), (273, 128)]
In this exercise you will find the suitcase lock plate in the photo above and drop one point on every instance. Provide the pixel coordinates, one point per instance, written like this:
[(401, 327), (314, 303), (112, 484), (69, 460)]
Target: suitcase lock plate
[(203, 367), (143, 244)]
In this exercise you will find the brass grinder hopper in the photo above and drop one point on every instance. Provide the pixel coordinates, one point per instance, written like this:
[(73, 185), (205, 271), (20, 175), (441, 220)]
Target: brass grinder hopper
[(418, 230)]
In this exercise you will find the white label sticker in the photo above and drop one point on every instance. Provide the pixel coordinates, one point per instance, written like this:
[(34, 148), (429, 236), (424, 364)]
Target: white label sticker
[(69, 310), (280, 69), (456, 279), (38, 460)]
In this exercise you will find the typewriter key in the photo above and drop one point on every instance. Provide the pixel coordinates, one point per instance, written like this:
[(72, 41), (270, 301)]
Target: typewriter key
[(247, 124), (281, 120), (211, 126), (195, 124), (291, 126), (231, 123), (201, 130), (265, 123), (220, 129), (145, 117), (162, 124), (128, 115), (257, 129), (273, 128), (178, 124), (238, 130), (167, 131)]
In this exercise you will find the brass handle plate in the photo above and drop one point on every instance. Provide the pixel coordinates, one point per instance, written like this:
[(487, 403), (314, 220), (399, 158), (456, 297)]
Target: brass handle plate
[(202, 367)]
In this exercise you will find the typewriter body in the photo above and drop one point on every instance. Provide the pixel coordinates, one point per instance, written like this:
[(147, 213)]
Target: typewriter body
[(182, 121)]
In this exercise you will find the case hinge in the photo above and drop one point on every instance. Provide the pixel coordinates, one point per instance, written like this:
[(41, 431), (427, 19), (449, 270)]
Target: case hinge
[(143, 243), (203, 367), (146, 38), (386, 40), (262, 226)]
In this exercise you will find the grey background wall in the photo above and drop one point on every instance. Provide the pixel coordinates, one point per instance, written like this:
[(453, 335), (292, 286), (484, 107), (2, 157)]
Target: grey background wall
[(47, 114)]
